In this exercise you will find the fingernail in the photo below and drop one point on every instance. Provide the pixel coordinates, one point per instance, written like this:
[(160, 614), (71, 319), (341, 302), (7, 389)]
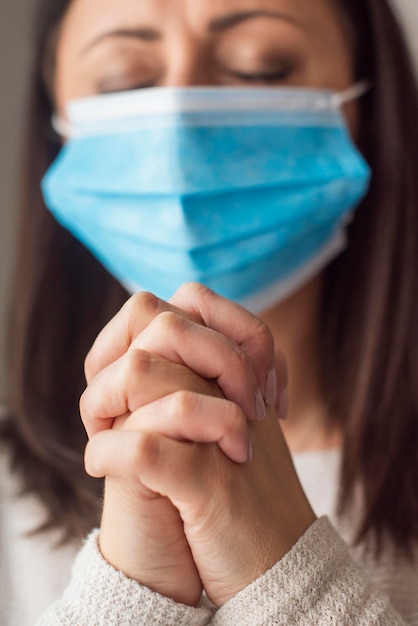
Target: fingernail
[(250, 451), (260, 407), (283, 405), (270, 390)]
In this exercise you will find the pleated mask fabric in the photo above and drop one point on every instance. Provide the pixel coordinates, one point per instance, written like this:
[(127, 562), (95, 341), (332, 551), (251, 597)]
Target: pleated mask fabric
[(248, 191)]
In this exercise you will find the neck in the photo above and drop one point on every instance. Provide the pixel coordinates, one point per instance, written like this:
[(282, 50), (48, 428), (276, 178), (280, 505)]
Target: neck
[(295, 326)]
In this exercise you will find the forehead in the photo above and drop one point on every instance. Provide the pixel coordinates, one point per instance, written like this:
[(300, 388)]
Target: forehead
[(93, 16)]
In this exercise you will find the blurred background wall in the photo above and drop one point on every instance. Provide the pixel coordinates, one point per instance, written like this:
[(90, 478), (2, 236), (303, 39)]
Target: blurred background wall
[(15, 34), (15, 26)]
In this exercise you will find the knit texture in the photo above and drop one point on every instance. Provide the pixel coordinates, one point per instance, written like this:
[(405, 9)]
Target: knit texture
[(322, 580), (315, 583), (99, 595)]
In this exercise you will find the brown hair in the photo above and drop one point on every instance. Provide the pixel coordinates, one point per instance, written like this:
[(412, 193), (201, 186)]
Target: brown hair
[(370, 309), (370, 320), (62, 298)]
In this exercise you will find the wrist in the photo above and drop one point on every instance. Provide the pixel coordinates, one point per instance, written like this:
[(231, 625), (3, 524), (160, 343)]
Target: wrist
[(258, 562), (144, 539)]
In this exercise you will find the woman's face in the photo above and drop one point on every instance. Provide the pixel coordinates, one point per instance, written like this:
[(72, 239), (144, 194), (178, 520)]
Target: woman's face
[(115, 45)]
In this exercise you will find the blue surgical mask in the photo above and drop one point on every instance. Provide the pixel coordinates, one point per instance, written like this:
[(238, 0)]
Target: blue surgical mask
[(248, 191)]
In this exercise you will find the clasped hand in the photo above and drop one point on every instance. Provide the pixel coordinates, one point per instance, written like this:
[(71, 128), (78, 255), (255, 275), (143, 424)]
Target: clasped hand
[(181, 411)]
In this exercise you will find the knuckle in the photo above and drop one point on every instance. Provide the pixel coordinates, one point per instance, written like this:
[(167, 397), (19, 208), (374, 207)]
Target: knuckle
[(146, 451), (143, 300), (182, 403), (91, 461), (240, 359), (234, 421), (84, 405), (140, 306), (190, 289), (202, 292), (243, 360), (263, 334), (169, 321), (196, 293), (96, 403), (90, 364), (134, 367), (237, 418), (136, 363)]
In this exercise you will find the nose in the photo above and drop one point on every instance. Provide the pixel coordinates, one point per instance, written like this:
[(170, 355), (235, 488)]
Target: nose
[(188, 62)]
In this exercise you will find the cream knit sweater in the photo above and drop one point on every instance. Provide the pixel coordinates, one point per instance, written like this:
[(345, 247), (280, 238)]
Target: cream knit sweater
[(320, 581)]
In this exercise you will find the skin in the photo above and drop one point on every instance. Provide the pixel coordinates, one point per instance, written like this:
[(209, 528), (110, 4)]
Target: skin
[(113, 45), (158, 443), (155, 460)]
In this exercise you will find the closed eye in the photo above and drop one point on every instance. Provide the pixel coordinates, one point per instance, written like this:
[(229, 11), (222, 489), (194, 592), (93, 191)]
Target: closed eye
[(261, 77), (104, 87)]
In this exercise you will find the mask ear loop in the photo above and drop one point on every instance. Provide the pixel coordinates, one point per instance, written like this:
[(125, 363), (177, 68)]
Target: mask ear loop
[(352, 93), (61, 127)]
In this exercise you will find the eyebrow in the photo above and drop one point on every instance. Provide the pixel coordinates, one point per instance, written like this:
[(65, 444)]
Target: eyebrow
[(217, 25), (143, 34), (220, 24)]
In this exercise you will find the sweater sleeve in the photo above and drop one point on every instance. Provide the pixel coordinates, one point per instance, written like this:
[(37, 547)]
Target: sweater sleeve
[(100, 595), (316, 582)]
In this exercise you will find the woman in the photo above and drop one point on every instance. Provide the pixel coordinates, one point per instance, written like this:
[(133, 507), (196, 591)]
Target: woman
[(230, 518)]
